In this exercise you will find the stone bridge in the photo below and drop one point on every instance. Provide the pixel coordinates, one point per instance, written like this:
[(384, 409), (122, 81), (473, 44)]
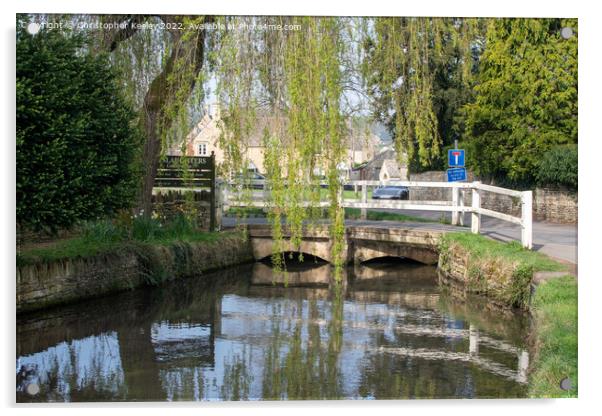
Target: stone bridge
[(362, 243)]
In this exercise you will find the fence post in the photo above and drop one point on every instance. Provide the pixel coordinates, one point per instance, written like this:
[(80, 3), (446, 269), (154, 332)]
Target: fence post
[(364, 211), (455, 198), (225, 196), (475, 224), (527, 219), (219, 209), (462, 195)]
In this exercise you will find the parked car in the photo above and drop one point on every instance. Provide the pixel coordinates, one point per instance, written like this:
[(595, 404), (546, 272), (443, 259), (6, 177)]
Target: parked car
[(391, 192)]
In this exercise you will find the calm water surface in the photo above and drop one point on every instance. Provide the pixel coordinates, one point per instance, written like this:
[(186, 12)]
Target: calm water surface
[(387, 333)]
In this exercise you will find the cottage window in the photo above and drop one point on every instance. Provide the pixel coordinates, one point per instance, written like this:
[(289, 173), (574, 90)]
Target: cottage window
[(203, 149)]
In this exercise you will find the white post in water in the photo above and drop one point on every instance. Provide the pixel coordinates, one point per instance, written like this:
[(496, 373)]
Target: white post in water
[(523, 366), (455, 204), (527, 219), (475, 225), (364, 211), (473, 340)]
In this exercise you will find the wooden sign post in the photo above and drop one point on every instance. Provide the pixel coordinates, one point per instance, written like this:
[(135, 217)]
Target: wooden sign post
[(195, 173)]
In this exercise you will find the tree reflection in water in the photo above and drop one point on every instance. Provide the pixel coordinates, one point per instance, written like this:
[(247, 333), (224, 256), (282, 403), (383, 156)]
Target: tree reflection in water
[(307, 366), (237, 379)]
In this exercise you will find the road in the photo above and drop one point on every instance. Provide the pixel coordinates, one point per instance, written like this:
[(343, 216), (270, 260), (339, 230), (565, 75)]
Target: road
[(555, 240)]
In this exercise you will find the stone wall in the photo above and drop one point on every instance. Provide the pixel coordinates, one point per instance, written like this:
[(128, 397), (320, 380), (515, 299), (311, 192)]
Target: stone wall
[(432, 194), (503, 282), (548, 205), (555, 206), (46, 284)]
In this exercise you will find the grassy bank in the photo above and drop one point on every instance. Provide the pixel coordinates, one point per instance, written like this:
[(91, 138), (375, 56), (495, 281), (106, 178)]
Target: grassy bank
[(485, 248), (105, 237), (472, 263), (503, 272), (554, 309), (107, 258)]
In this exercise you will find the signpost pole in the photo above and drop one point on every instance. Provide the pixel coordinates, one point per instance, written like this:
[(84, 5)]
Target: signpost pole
[(456, 173)]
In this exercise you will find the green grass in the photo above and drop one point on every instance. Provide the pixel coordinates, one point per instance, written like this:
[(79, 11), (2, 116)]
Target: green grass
[(104, 237), (483, 247), (348, 194), (354, 213), (65, 249), (554, 310), (245, 212), (350, 213)]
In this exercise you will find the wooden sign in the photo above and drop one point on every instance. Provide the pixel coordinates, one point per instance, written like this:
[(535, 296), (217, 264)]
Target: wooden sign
[(189, 172)]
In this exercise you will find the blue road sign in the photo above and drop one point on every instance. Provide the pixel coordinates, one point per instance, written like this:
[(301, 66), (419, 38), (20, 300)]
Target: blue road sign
[(455, 157), (456, 174)]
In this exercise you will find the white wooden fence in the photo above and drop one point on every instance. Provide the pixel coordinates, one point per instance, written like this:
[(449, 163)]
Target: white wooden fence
[(455, 206)]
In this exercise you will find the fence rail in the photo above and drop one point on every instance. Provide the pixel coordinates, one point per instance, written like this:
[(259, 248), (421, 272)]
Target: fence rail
[(456, 206)]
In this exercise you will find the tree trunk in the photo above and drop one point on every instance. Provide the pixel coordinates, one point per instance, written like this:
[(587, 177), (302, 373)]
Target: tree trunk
[(153, 110), (152, 146)]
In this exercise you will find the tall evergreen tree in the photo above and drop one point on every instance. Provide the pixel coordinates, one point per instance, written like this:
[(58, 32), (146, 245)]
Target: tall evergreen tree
[(76, 145), (526, 100)]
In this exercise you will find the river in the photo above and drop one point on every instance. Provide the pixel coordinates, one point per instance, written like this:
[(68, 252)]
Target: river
[(387, 332)]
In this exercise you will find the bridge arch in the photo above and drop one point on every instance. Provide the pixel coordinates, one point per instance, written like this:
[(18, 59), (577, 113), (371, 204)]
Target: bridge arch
[(307, 257), (364, 250), (264, 247)]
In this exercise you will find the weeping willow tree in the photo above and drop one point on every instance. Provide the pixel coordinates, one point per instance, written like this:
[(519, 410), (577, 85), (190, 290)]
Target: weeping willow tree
[(297, 75), (294, 79), (419, 72), (293, 75)]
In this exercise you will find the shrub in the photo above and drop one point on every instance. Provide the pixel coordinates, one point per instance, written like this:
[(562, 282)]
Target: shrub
[(104, 231), (76, 142), (558, 167)]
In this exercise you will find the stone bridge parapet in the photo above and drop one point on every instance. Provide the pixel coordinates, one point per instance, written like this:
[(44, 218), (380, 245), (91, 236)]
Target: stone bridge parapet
[(362, 243)]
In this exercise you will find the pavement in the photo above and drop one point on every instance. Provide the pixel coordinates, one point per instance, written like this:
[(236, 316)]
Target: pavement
[(556, 240)]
